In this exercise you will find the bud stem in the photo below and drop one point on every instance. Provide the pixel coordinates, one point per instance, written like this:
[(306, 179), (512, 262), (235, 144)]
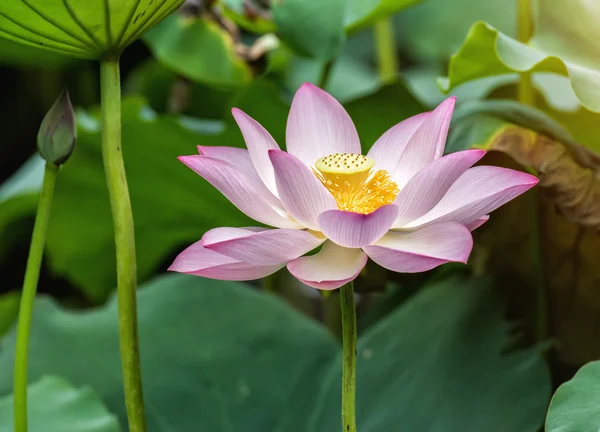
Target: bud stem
[(118, 191), (349, 357), (386, 50), (32, 275)]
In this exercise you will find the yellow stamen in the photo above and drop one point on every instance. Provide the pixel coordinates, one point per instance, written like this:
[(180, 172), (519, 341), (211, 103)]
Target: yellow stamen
[(351, 180)]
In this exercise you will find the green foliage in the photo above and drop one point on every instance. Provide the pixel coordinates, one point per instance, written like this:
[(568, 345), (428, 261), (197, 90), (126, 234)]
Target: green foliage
[(377, 112), (215, 354), (155, 82), (365, 13), (199, 50), (476, 122), (447, 346), (432, 30), (81, 28), (257, 23), (18, 201), (350, 77), (313, 28), (56, 406), (488, 52), (574, 406), (9, 308)]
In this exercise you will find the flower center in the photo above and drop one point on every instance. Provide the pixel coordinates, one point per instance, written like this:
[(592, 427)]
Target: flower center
[(351, 180)]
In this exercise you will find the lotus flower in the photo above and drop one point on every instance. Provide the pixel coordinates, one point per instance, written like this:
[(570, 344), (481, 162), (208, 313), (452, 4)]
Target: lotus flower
[(404, 204)]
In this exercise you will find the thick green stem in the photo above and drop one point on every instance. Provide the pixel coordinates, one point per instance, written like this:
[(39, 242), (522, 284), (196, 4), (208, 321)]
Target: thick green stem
[(386, 50), (114, 168), (525, 89), (349, 358), (32, 274)]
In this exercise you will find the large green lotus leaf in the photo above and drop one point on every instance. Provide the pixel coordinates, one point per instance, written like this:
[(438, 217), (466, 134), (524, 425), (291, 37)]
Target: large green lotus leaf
[(560, 26), (313, 28), (81, 28), (199, 50), (56, 406), (221, 355), (567, 205), (574, 406), (433, 29), (438, 359), (215, 355), (487, 52), (364, 13)]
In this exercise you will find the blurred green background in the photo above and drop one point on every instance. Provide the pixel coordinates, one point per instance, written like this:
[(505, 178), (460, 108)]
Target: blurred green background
[(461, 348)]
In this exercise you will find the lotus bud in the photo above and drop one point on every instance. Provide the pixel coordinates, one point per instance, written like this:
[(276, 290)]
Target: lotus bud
[(57, 134)]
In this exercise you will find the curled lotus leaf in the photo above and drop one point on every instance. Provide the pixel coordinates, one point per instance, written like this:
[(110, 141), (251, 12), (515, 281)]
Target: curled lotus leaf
[(569, 175), (561, 216), (90, 29)]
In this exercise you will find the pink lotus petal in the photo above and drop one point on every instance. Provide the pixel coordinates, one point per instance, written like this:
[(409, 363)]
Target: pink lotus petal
[(427, 143), (240, 158), (247, 193), (222, 234), (355, 230), (302, 193), (199, 261), (259, 142), (477, 192), (387, 150), (267, 247), (422, 250), (329, 269), (235, 156), (477, 223), (428, 186), (318, 126)]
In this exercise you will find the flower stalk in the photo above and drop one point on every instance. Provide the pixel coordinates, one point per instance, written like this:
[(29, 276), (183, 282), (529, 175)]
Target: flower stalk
[(525, 89), (124, 241), (32, 274), (386, 50), (349, 357), (526, 95)]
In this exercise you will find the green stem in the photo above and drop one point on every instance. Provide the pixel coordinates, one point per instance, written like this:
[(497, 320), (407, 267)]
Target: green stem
[(349, 357), (386, 50), (526, 95), (32, 275), (525, 89), (325, 74), (118, 191)]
